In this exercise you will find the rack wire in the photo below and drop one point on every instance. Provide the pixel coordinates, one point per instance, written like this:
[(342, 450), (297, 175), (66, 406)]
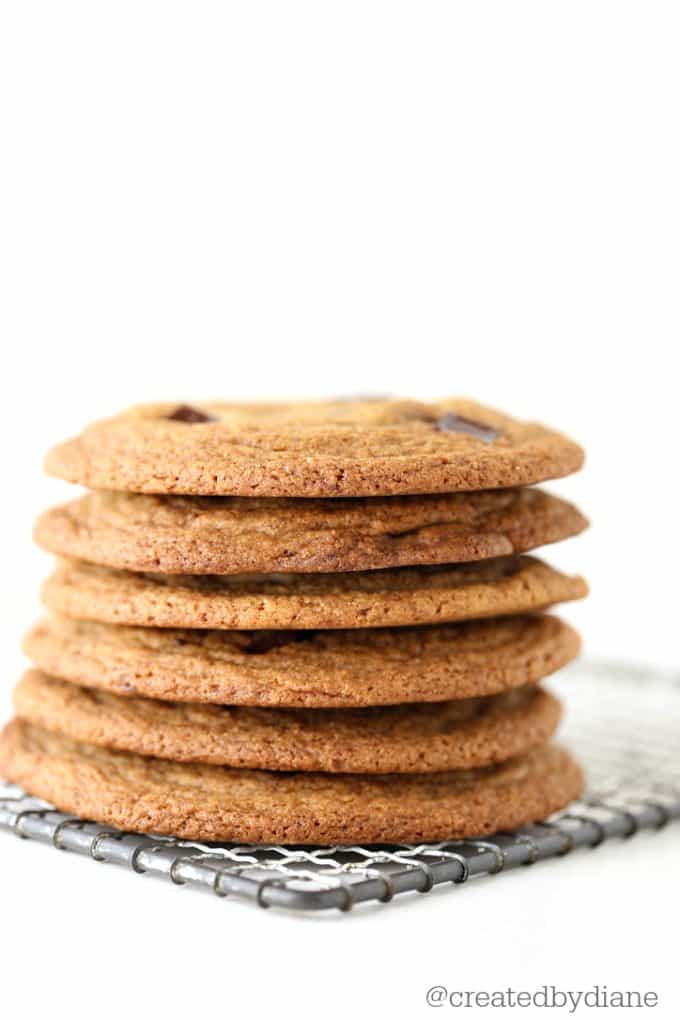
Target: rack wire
[(623, 723)]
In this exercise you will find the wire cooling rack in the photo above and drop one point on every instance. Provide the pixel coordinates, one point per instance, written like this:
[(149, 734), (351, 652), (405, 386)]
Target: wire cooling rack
[(623, 723)]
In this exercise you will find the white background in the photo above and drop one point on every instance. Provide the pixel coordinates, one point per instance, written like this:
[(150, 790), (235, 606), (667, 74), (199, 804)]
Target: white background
[(302, 199)]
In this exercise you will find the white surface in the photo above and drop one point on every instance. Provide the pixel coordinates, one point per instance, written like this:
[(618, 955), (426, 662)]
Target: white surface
[(302, 198)]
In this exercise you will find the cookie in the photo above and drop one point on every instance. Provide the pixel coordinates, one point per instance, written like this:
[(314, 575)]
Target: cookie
[(378, 598), (305, 669), (232, 535), (337, 448), (402, 738), (216, 803)]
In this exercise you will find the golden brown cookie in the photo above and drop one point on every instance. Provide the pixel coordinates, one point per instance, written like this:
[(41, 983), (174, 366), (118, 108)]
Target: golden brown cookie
[(337, 448), (378, 598), (305, 669), (401, 738), (212, 802), (232, 535)]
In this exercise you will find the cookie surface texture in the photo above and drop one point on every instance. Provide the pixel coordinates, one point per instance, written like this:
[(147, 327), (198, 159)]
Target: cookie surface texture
[(380, 598), (210, 802), (231, 535), (305, 669), (336, 448), (405, 738)]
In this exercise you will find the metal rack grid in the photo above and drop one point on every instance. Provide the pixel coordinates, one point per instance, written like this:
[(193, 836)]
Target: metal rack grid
[(623, 723)]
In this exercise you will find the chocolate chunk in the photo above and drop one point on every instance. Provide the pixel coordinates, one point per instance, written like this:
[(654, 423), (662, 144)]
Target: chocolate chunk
[(266, 640), (189, 414), (455, 423)]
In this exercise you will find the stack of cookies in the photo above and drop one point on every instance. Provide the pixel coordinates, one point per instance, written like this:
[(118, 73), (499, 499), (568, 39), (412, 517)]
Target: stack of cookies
[(308, 623)]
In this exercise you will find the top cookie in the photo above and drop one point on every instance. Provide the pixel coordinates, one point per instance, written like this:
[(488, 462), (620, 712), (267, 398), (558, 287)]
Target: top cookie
[(337, 448)]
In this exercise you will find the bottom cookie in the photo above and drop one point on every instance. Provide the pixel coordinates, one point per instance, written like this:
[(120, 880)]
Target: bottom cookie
[(213, 803)]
